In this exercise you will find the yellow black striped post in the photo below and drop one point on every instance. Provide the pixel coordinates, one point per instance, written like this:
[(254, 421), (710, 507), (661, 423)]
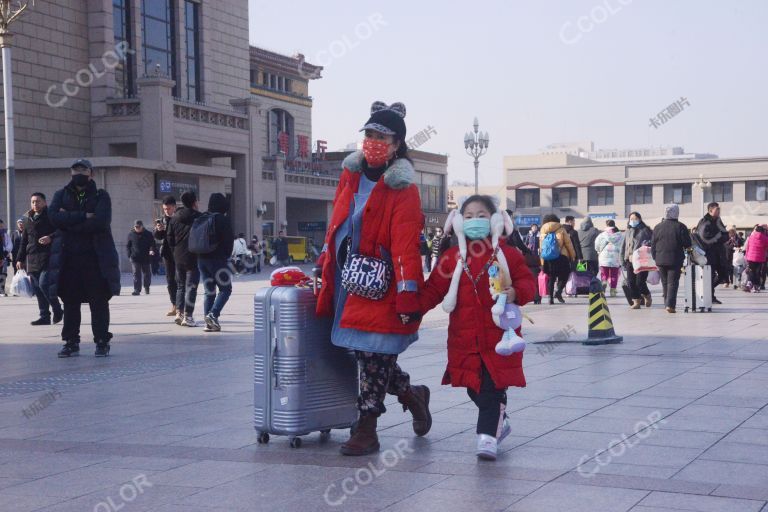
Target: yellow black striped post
[(599, 323)]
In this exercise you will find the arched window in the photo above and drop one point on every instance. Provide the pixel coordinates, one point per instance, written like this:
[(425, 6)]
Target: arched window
[(281, 135)]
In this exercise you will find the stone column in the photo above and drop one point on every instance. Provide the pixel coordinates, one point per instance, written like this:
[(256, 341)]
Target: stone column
[(248, 186), (158, 139)]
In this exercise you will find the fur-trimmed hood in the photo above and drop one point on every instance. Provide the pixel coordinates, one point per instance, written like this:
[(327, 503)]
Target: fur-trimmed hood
[(399, 175)]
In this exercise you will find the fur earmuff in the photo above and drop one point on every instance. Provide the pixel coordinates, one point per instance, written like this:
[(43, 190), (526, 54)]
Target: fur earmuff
[(497, 228)]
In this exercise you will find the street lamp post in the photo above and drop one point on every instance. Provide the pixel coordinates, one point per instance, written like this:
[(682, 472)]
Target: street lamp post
[(8, 14), (476, 144), (704, 185)]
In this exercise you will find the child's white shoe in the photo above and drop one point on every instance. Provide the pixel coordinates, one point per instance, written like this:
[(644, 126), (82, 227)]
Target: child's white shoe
[(510, 344), (486, 447)]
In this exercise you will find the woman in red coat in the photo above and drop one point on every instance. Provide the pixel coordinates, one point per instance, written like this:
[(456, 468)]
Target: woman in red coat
[(376, 214), (472, 333)]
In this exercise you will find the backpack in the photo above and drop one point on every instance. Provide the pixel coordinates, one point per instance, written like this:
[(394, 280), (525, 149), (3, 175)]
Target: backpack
[(202, 234), (550, 250)]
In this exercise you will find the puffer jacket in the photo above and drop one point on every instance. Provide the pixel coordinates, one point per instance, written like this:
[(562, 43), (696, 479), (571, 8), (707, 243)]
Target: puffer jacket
[(608, 246), (472, 334), (669, 241), (757, 247), (81, 234), (33, 254), (587, 235), (391, 223), (635, 238), (563, 240)]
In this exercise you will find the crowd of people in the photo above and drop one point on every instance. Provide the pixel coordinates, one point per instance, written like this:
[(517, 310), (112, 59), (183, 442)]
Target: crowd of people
[(68, 253)]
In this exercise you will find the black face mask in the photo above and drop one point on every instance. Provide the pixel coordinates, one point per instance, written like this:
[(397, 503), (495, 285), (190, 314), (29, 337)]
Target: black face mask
[(80, 180)]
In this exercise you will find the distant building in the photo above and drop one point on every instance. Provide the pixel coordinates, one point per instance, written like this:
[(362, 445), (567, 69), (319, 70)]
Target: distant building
[(566, 184), (586, 150)]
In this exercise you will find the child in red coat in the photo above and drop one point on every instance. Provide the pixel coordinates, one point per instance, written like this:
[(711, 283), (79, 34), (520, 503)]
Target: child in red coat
[(461, 278)]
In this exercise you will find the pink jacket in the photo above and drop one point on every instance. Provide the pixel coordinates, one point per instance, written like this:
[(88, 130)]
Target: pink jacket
[(757, 247)]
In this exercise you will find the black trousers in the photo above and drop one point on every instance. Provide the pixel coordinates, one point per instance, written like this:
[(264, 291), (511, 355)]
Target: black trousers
[(716, 260), (379, 374), (139, 269), (491, 403), (670, 282), (81, 282), (559, 270), (755, 273), (170, 278), (636, 282), (187, 279)]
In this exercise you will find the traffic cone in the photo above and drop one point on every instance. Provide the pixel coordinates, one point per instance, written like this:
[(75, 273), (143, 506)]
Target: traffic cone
[(600, 325)]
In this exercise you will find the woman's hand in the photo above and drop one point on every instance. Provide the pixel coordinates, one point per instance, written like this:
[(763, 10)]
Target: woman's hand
[(511, 294)]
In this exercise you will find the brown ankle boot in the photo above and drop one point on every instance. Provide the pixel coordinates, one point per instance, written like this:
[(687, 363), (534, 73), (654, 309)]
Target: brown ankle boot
[(364, 440), (416, 400)]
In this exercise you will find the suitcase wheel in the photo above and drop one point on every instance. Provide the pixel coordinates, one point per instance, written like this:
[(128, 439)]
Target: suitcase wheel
[(263, 438), (709, 309), (295, 442)]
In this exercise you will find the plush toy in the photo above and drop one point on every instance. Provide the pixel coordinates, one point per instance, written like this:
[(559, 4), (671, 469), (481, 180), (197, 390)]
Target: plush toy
[(505, 316)]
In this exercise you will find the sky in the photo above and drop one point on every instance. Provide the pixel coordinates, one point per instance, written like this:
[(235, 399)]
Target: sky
[(533, 72)]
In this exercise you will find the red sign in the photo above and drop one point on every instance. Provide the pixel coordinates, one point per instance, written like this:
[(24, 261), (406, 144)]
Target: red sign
[(303, 143), (321, 147), (282, 142)]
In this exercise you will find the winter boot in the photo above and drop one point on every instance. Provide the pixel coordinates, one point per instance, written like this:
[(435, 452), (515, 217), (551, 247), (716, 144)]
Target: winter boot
[(364, 441), (648, 300), (416, 400), (635, 304)]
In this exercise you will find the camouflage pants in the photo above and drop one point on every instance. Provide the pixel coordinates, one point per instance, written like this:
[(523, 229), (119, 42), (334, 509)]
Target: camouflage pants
[(379, 375)]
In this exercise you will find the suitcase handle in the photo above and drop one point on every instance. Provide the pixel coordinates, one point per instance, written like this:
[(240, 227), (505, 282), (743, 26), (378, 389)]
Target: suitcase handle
[(276, 384)]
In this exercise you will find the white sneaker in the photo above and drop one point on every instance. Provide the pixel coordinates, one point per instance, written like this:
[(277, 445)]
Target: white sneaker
[(188, 322), (486, 447)]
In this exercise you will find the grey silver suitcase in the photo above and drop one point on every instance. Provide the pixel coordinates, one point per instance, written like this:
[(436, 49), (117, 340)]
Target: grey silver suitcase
[(302, 382)]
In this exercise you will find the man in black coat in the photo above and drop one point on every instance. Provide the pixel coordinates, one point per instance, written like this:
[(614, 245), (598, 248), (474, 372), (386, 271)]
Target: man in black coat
[(83, 266), (141, 248), (187, 273), (712, 234), (34, 253), (166, 252), (669, 242)]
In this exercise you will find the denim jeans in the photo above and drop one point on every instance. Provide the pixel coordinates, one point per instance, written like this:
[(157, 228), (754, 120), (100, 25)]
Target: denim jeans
[(215, 273), (43, 301)]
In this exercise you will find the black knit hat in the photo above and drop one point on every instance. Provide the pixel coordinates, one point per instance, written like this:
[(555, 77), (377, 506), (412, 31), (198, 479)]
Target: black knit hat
[(389, 120)]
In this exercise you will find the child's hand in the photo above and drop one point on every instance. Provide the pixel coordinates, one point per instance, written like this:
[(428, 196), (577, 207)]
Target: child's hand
[(410, 317), (511, 294)]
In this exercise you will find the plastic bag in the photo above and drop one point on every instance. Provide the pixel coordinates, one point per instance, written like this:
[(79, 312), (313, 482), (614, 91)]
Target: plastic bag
[(21, 286), (738, 259), (698, 255), (642, 260), (654, 277)]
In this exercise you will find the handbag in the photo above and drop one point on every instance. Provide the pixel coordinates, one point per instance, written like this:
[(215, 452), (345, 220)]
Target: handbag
[(654, 277), (365, 276), (581, 266)]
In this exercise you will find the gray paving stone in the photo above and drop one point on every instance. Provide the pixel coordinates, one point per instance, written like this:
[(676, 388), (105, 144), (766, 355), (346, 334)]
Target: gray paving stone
[(720, 472), (578, 498), (700, 503)]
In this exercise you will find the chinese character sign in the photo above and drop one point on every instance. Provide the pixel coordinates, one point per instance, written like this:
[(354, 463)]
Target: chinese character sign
[(322, 146), (283, 142), (303, 144)]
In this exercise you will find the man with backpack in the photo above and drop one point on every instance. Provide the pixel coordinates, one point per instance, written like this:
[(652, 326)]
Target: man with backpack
[(187, 273), (212, 238)]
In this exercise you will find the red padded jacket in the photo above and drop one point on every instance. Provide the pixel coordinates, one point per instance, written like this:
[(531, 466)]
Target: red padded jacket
[(472, 334), (392, 220)]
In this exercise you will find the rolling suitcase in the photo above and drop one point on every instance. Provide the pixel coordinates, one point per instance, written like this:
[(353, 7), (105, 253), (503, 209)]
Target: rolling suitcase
[(302, 382), (578, 283), (698, 288)]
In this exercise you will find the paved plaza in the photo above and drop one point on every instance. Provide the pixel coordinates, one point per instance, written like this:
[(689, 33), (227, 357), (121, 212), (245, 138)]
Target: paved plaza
[(675, 418)]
